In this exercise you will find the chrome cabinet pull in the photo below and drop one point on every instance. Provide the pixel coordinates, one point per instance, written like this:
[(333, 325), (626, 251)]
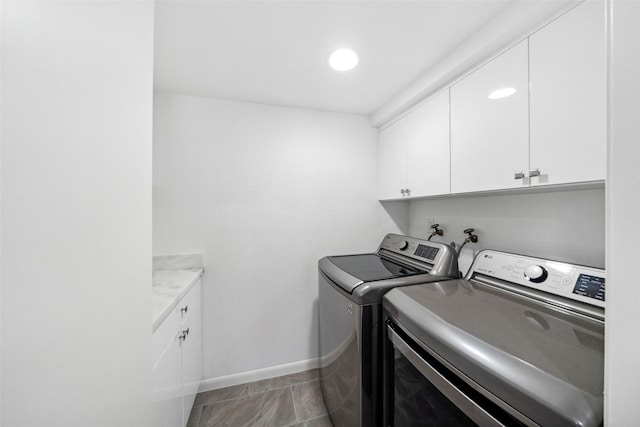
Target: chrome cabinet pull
[(183, 335), (535, 172), (184, 309), (518, 175)]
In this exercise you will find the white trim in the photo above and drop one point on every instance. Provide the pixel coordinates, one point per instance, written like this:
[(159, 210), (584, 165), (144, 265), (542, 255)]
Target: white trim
[(258, 374), (499, 35)]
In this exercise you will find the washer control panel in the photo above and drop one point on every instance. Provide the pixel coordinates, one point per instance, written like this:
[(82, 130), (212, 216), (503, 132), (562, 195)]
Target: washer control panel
[(576, 282), (418, 249)]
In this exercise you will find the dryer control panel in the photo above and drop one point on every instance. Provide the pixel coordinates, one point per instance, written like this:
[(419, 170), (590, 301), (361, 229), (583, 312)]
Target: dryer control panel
[(576, 282)]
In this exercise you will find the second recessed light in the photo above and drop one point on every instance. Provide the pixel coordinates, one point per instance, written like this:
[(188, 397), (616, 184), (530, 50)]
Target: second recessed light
[(343, 59)]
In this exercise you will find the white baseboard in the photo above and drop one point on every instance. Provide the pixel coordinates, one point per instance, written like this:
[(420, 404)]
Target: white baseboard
[(258, 374)]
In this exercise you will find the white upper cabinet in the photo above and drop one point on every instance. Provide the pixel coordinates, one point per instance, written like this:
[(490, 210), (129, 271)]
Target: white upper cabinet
[(568, 97), (533, 116), (428, 148), (392, 161), (413, 153), (490, 131)]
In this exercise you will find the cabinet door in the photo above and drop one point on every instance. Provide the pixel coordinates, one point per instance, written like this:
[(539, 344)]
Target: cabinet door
[(490, 137), (568, 97), (192, 351), (428, 164), (392, 160), (167, 387)]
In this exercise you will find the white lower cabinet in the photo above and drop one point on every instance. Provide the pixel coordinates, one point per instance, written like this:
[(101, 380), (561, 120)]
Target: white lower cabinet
[(177, 355), (191, 359), (167, 387)]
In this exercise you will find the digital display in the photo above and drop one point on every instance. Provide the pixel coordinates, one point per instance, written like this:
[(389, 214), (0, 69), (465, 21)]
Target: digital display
[(427, 252), (590, 286)]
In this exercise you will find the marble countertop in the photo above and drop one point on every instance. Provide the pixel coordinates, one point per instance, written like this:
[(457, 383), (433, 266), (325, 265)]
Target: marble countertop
[(169, 287)]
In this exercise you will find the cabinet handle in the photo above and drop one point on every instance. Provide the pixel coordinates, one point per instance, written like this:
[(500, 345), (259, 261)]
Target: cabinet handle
[(534, 173), (184, 309), (518, 175), (183, 335)]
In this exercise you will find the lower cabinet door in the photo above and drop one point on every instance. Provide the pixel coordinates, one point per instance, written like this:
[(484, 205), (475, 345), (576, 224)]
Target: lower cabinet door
[(192, 357), (167, 387)]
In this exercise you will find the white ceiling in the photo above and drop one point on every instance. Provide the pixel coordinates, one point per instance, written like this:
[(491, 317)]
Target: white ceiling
[(275, 52)]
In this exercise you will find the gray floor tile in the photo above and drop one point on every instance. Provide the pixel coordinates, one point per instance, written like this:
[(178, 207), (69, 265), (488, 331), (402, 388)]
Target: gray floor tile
[(324, 421), (209, 397), (283, 381), (273, 408), (194, 417), (307, 398)]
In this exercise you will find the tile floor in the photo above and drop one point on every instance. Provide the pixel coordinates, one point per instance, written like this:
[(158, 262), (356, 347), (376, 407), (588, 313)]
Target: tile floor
[(290, 400)]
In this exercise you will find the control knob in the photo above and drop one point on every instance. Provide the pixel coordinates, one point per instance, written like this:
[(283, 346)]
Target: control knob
[(535, 273), (404, 245)]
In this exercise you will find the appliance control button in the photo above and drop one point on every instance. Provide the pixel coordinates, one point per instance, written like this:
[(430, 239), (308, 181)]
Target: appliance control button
[(404, 245), (535, 273)]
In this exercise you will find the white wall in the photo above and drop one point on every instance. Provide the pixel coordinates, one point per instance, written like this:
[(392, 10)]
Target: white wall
[(76, 210), (622, 370), (0, 214), (264, 192), (565, 225)]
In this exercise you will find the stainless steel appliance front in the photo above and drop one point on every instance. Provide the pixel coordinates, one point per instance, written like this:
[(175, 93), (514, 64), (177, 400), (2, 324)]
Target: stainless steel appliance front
[(350, 317), (520, 341), (348, 367)]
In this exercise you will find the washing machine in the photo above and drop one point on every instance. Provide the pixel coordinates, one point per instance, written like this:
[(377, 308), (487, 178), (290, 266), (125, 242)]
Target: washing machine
[(518, 342), (351, 288)]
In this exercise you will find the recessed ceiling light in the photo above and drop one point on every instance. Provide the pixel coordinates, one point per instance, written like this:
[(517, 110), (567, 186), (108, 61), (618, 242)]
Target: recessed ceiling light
[(502, 93), (343, 59)]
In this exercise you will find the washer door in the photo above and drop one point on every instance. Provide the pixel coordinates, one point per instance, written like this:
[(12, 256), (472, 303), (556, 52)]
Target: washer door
[(421, 393)]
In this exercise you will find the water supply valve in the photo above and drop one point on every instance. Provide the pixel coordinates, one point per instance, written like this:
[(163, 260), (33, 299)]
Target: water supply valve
[(435, 231), (472, 237)]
